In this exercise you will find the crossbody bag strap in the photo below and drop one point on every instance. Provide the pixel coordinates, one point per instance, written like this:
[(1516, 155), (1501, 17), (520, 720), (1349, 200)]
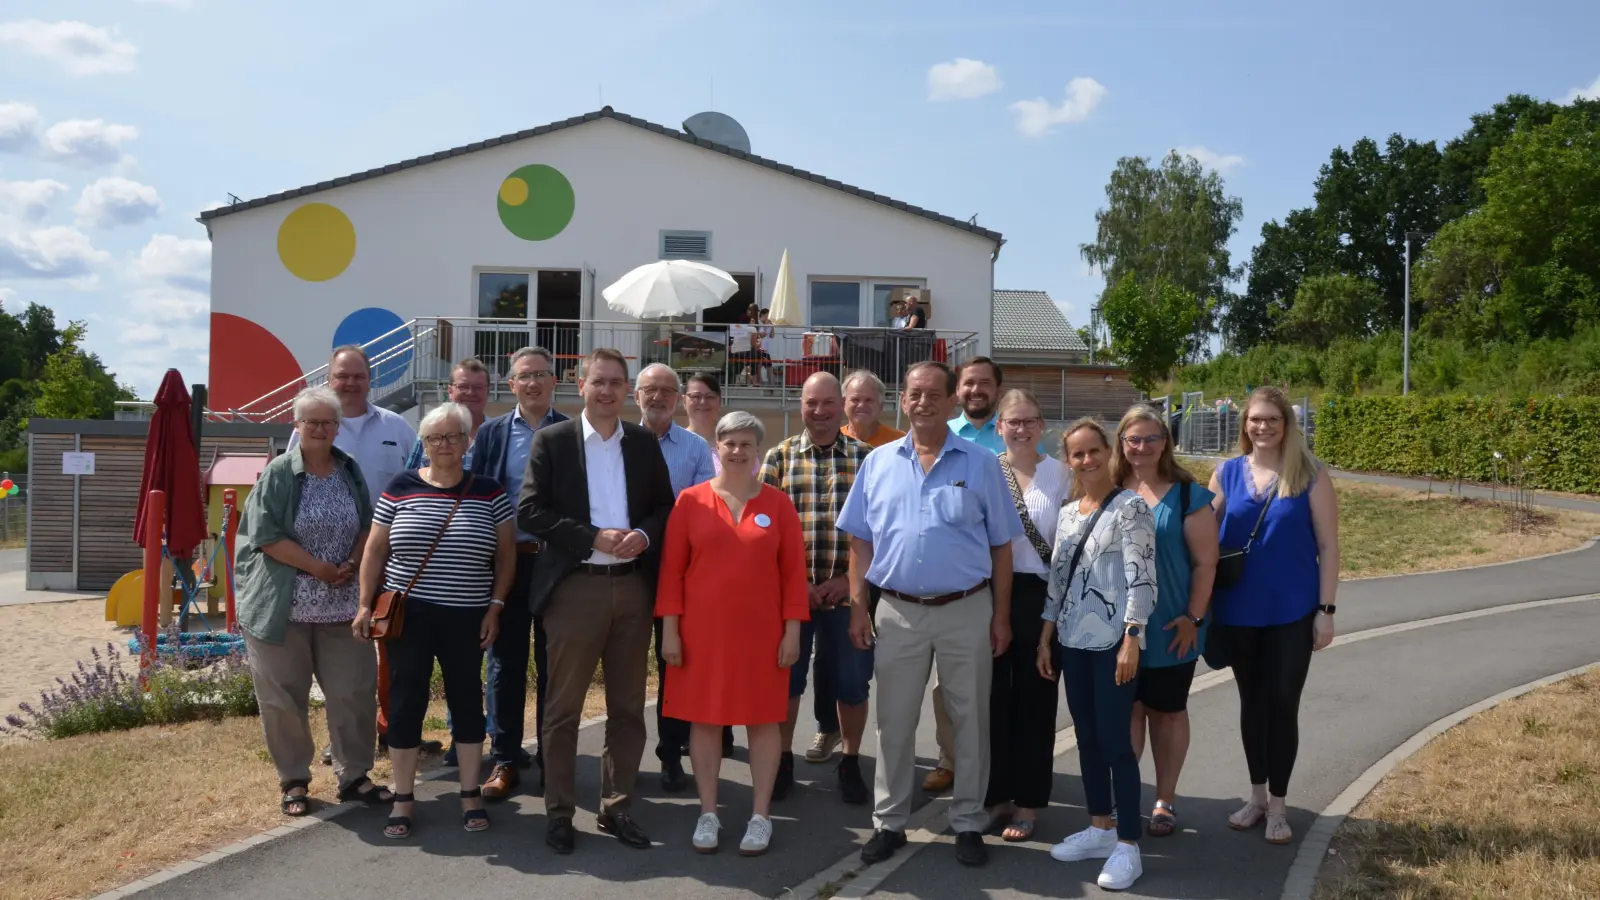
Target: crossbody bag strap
[(1077, 553), (1028, 528), (1261, 518), (421, 567)]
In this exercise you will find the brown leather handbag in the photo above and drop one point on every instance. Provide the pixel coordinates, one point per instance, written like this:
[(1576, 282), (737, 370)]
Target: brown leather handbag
[(389, 610)]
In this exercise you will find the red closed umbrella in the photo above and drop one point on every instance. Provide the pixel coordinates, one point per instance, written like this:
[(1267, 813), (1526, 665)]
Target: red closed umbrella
[(170, 465)]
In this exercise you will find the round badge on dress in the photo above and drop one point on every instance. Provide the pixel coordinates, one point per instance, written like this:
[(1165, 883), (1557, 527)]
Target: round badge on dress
[(762, 520)]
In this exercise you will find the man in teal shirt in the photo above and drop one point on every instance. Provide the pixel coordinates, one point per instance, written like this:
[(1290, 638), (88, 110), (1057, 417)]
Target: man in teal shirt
[(978, 392)]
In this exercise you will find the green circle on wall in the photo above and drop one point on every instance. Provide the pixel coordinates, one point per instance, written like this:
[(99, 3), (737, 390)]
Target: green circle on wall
[(535, 202)]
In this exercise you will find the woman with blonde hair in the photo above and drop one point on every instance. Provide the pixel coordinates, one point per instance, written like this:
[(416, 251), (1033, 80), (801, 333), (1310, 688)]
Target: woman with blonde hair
[(1186, 563), (1276, 606)]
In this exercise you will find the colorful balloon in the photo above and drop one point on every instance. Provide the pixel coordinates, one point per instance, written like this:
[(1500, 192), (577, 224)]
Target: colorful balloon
[(6, 485)]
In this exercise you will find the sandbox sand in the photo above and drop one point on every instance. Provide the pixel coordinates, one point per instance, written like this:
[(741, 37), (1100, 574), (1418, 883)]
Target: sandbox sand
[(45, 640)]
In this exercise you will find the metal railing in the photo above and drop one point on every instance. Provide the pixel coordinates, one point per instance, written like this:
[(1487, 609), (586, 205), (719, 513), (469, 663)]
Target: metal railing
[(412, 364), (1209, 430)]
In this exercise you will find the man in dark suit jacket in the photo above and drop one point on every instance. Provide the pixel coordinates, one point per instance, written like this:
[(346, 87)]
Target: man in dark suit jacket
[(597, 491)]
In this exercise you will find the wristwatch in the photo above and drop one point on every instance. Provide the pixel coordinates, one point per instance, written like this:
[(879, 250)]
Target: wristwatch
[(1197, 621), (1133, 630), (1327, 609)]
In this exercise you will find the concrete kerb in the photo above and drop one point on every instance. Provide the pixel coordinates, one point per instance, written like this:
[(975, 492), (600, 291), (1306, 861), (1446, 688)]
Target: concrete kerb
[(1314, 846)]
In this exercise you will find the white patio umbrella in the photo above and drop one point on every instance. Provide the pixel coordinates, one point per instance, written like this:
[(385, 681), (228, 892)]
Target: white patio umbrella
[(674, 287), (785, 306)]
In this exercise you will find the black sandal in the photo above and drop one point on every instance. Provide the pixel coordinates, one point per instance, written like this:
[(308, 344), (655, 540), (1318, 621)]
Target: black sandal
[(362, 790), (401, 825), (301, 800), (474, 819)]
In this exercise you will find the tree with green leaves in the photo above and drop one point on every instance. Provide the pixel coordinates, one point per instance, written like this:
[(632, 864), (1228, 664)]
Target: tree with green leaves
[(1149, 324), (1327, 308), (45, 373)]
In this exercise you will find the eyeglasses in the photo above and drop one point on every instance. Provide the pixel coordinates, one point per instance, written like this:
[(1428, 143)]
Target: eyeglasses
[(658, 392), (697, 397), (1022, 423), (531, 377), (460, 388), (440, 440), (318, 424), (1265, 420), (1142, 440)]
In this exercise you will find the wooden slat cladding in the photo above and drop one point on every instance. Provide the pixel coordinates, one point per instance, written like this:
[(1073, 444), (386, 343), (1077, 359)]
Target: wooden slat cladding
[(107, 506), (49, 505), (1067, 392)]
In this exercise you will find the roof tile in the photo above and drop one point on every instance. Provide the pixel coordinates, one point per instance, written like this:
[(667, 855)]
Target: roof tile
[(1030, 320)]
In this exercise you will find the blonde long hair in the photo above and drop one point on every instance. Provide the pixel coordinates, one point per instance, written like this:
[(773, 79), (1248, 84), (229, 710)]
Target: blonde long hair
[(1299, 466), (1166, 466), (1092, 424)]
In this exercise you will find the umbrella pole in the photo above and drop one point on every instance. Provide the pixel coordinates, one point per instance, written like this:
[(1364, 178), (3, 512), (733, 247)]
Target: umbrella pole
[(154, 525), (230, 530)]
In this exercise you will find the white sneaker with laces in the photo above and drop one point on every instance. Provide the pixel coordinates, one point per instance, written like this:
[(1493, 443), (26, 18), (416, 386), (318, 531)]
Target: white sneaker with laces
[(707, 833), (822, 746), (1090, 843), (757, 836), (1122, 869)]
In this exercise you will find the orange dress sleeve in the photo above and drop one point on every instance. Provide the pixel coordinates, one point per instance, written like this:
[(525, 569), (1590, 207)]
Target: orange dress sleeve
[(675, 556), (793, 578)]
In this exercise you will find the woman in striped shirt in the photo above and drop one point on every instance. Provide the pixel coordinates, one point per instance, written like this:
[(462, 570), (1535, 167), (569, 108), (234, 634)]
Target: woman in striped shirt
[(454, 591)]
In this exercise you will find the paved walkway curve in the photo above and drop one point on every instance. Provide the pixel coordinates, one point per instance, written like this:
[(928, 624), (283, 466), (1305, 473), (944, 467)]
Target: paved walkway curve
[(1364, 698)]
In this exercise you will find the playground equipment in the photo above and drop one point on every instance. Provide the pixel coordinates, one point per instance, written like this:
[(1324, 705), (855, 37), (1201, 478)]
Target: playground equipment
[(192, 579)]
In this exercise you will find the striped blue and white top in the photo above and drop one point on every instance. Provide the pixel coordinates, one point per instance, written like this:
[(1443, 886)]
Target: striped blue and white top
[(461, 571)]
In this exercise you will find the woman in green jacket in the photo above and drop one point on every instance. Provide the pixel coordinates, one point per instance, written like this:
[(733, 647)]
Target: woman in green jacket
[(305, 525)]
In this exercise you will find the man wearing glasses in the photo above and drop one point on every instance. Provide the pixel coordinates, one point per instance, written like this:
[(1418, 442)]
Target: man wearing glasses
[(469, 386), (501, 453)]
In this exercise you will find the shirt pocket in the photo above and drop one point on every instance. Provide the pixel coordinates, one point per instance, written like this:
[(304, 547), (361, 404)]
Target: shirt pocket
[(953, 505)]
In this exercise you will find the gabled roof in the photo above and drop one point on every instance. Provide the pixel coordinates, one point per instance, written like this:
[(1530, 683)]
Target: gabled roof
[(1030, 320), (604, 113)]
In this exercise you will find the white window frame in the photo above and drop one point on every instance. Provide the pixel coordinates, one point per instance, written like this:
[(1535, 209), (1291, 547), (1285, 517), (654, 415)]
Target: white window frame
[(864, 286)]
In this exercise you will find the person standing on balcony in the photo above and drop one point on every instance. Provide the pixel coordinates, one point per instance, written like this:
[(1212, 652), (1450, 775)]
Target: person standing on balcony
[(690, 462), (501, 453), (931, 523), (378, 440), (469, 386), (915, 317), (598, 492)]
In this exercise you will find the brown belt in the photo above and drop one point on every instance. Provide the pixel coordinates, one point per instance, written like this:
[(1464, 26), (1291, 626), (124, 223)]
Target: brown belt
[(940, 600), (621, 568), (528, 548)]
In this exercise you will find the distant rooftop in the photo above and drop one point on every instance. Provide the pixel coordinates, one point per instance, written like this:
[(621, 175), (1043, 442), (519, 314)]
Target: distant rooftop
[(1030, 320)]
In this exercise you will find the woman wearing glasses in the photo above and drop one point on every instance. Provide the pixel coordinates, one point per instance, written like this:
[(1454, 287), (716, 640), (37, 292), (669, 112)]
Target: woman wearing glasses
[(1022, 702), (1186, 564), (445, 539)]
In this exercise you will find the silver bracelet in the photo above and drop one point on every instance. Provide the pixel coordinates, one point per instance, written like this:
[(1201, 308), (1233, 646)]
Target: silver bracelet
[(494, 602)]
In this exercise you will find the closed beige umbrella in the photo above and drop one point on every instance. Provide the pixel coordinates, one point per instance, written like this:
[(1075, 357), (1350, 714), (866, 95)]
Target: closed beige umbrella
[(785, 306)]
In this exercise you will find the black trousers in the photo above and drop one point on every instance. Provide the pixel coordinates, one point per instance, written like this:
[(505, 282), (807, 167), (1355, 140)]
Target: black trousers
[(1022, 707), (450, 635), (672, 735), (1270, 664), (508, 671)]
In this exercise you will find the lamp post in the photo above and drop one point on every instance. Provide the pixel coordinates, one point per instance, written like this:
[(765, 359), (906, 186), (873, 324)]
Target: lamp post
[(1094, 330), (1405, 349)]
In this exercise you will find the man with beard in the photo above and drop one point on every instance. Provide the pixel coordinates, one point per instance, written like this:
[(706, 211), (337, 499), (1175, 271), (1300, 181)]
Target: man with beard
[(689, 460)]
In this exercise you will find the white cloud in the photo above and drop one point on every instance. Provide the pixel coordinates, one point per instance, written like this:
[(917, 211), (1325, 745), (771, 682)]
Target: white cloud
[(55, 252), (1211, 159), (110, 202), (962, 79), (88, 142), (28, 201), (8, 299), (1592, 92), (80, 48), (169, 312), (19, 127), (1036, 118), (183, 263)]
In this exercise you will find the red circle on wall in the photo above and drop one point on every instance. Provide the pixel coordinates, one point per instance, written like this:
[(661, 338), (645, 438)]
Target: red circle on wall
[(247, 363)]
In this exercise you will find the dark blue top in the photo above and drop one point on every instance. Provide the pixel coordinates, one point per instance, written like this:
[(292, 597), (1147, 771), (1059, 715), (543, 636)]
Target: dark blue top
[(1281, 573), (1174, 575)]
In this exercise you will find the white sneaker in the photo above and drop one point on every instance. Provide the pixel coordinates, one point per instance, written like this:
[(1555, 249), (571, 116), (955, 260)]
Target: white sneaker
[(1122, 869), (822, 747), (1090, 843), (757, 836), (707, 833)]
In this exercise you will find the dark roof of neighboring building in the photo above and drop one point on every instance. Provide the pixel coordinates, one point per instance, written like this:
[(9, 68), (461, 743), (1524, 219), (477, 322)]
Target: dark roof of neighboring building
[(1030, 320), (605, 113)]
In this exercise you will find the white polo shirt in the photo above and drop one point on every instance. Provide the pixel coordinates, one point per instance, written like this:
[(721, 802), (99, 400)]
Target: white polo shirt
[(379, 440)]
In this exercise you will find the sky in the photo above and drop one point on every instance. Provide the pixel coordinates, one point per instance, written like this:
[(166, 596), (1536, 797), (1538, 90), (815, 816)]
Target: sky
[(121, 120)]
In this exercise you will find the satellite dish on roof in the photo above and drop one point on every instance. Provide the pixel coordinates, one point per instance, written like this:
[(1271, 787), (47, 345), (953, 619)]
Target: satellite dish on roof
[(718, 128)]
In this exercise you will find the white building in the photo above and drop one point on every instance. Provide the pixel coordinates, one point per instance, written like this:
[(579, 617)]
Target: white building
[(482, 249)]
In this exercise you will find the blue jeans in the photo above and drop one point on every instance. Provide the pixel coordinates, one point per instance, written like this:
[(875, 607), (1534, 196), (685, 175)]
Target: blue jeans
[(844, 671), (507, 695), (1102, 715)]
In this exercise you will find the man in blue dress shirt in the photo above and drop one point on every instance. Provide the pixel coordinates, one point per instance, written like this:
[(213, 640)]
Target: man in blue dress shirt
[(931, 523)]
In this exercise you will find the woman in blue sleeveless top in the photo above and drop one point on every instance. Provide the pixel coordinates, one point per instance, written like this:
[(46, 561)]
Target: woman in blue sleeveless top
[(1186, 563), (1281, 610)]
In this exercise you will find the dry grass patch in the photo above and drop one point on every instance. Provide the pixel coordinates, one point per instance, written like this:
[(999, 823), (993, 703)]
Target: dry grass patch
[(1502, 806)]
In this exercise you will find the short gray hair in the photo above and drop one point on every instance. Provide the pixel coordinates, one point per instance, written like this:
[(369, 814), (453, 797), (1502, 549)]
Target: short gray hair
[(867, 376), (526, 352), (445, 413), (320, 395), (661, 367), (739, 420)]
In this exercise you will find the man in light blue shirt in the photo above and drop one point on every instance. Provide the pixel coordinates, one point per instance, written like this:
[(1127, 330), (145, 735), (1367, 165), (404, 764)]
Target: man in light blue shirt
[(931, 523), (469, 386), (978, 391)]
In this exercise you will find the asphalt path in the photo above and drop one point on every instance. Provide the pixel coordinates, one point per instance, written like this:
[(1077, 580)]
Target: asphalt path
[(1362, 700)]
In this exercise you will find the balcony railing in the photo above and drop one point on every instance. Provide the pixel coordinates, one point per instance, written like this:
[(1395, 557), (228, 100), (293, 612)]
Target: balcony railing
[(412, 363)]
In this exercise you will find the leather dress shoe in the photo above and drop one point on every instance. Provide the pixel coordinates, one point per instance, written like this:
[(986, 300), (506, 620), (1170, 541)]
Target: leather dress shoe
[(622, 827), (502, 781), (970, 850), (673, 778), (882, 845), (560, 836)]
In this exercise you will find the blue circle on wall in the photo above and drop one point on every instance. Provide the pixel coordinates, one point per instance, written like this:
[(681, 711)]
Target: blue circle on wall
[(381, 332)]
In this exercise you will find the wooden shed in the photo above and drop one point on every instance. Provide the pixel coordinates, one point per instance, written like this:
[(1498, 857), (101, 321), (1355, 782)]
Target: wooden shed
[(80, 527), (1040, 351)]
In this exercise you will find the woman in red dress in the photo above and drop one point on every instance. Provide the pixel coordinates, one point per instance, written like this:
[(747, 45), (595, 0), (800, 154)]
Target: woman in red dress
[(732, 595)]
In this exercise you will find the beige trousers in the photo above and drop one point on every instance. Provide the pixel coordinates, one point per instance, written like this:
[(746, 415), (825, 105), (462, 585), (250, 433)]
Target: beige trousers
[(941, 728), (346, 669), (913, 640)]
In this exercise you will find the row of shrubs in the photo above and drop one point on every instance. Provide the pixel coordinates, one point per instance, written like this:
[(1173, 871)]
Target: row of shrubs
[(1548, 443)]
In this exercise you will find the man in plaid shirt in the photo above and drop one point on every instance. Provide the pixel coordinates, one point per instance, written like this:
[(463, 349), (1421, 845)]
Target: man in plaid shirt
[(816, 468)]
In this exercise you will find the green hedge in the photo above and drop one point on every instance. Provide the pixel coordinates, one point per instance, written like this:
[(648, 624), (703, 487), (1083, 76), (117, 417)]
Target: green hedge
[(1457, 437)]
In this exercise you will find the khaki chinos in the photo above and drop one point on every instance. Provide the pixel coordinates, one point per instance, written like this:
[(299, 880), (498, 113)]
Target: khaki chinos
[(346, 669)]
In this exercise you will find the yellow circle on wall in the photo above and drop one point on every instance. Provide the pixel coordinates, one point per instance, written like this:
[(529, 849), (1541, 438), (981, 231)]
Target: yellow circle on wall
[(316, 242), (514, 191)]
